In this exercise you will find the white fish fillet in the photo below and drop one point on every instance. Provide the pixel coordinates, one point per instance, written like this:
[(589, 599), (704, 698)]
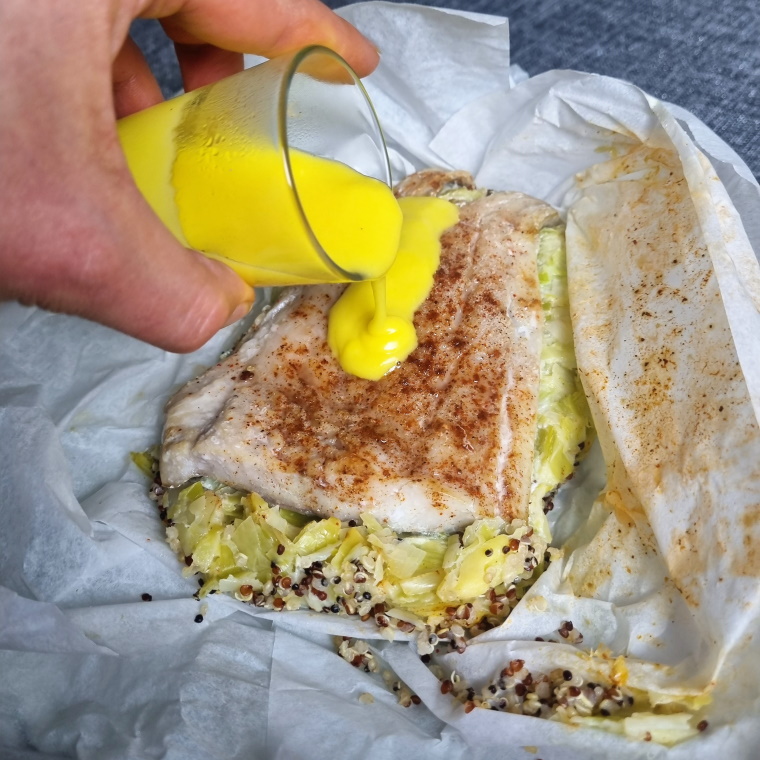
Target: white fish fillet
[(444, 439)]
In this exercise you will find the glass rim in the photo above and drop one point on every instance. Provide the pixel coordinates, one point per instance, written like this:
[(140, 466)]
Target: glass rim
[(282, 121)]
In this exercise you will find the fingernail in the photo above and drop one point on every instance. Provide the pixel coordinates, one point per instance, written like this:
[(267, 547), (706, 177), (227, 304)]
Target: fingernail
[(241, 310)]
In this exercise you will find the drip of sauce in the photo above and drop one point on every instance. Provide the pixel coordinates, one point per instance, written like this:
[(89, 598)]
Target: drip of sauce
[(371, 328), (228, 198)]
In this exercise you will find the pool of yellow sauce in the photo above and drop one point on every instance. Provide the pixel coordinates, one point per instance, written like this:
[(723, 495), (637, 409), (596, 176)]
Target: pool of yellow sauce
[(229, 199)]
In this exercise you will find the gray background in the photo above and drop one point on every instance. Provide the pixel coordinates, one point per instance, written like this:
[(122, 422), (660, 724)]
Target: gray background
[(704, 56)]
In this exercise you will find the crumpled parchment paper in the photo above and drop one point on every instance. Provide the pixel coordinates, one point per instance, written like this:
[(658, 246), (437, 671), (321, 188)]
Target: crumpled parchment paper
[(661, 567)]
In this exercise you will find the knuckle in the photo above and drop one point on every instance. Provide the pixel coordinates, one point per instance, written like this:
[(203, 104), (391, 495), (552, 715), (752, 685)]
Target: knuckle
[(198, 324)]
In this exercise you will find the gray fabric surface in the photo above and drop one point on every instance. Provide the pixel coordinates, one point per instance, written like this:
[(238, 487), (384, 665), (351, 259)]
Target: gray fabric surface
[(704, 56)]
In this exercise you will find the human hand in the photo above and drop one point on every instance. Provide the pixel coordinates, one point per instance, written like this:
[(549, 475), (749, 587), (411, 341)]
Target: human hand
[(76, 236)]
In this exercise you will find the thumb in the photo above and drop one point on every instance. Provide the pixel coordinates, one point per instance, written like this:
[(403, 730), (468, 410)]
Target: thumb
[(173, 298), (100, 252), (151, 287)]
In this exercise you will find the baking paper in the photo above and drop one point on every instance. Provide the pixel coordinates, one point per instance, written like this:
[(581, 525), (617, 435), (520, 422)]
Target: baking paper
[(90, 670)]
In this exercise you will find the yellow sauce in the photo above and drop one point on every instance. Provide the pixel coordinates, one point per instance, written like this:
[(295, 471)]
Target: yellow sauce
[(233, 205), (370, 328), (147, 139), (229, 199)]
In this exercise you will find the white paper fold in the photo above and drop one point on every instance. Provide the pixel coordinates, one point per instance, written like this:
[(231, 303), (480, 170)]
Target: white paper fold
[(89, 670)]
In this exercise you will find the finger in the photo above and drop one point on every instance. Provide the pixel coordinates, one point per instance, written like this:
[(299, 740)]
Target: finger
[(177, 312), (134, 86), (115, 263), (155, 289), (168, 295), (267, 27), (203, 64)]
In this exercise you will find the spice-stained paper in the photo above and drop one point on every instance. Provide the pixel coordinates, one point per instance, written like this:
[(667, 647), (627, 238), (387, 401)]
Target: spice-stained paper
[(659, 534)]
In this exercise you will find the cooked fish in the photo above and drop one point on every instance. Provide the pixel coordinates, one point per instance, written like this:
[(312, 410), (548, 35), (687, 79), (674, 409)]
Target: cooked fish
[(444, 439)]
